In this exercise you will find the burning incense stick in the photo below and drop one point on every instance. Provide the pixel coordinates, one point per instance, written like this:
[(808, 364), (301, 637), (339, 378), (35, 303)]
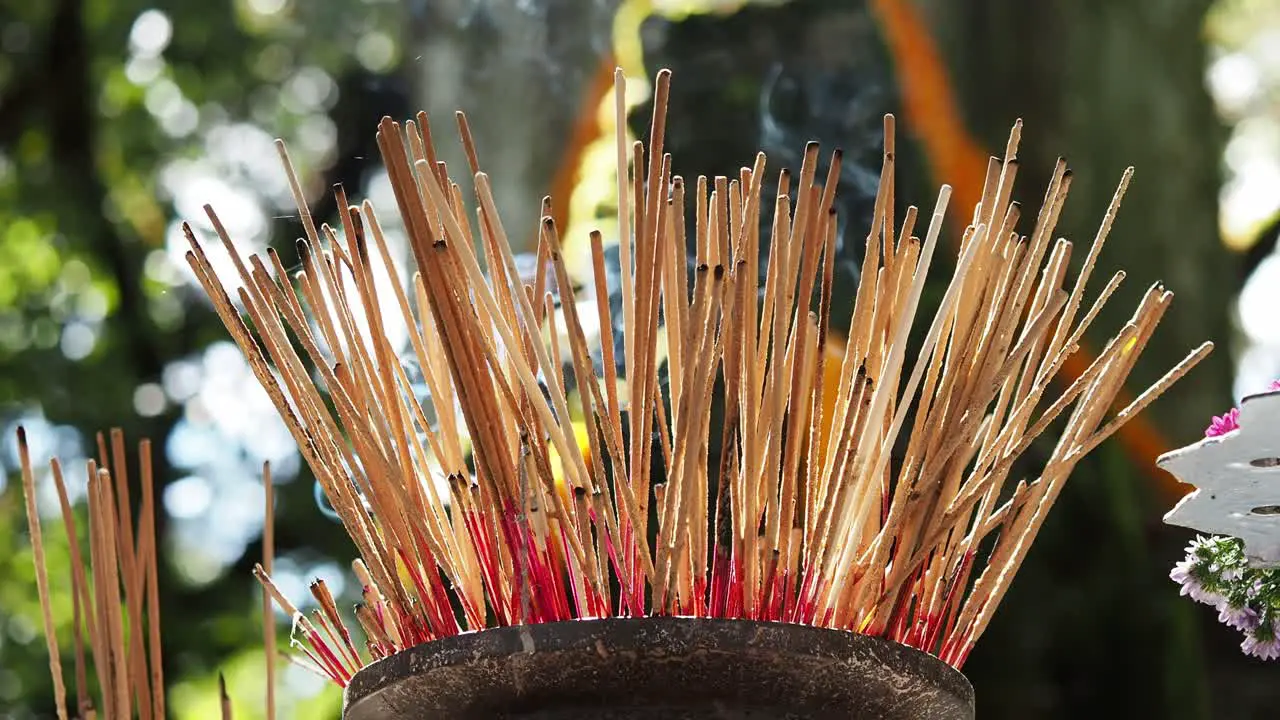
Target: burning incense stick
[(804, 517)]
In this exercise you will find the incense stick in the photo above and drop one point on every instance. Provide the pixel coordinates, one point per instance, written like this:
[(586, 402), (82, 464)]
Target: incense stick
[(224, 700), (42, 576), (268, 613), (823, 532)]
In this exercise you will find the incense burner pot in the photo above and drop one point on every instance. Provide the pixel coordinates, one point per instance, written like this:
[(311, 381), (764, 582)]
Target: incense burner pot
[(664, 668)]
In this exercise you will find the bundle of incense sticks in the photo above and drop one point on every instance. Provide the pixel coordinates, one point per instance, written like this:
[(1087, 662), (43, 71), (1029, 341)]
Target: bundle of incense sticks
[(115, 593), (115, 596), (804, 516)]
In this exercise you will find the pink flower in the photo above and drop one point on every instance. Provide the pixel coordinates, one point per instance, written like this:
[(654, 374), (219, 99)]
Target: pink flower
[(1223, 424)]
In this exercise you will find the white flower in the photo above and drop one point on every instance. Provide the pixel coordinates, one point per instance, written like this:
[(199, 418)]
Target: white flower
[(1197, 592), (1182, 575), (1240, 618), (1266, 647)]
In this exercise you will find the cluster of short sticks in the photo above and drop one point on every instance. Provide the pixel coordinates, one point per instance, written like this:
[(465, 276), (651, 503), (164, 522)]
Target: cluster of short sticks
[(115, 596), (499, 515)]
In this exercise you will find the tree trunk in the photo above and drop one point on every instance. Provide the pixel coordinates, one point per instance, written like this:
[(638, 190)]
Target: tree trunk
[(518, 69)]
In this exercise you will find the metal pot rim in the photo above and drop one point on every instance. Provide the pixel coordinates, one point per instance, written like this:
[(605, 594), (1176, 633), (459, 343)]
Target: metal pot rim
[(514, 660)]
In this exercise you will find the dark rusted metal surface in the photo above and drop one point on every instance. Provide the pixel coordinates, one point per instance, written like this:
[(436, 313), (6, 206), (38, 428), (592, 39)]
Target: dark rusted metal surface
[(660, 669)]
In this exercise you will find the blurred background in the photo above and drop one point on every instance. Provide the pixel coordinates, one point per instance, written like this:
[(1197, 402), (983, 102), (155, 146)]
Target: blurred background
[(121, 118)]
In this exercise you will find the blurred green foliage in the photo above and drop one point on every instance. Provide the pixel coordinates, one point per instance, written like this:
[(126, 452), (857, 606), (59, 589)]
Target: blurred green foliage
[(98, 100)]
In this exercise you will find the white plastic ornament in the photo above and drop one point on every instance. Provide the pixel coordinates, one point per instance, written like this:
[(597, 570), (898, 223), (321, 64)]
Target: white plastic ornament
[(1237, 480)]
